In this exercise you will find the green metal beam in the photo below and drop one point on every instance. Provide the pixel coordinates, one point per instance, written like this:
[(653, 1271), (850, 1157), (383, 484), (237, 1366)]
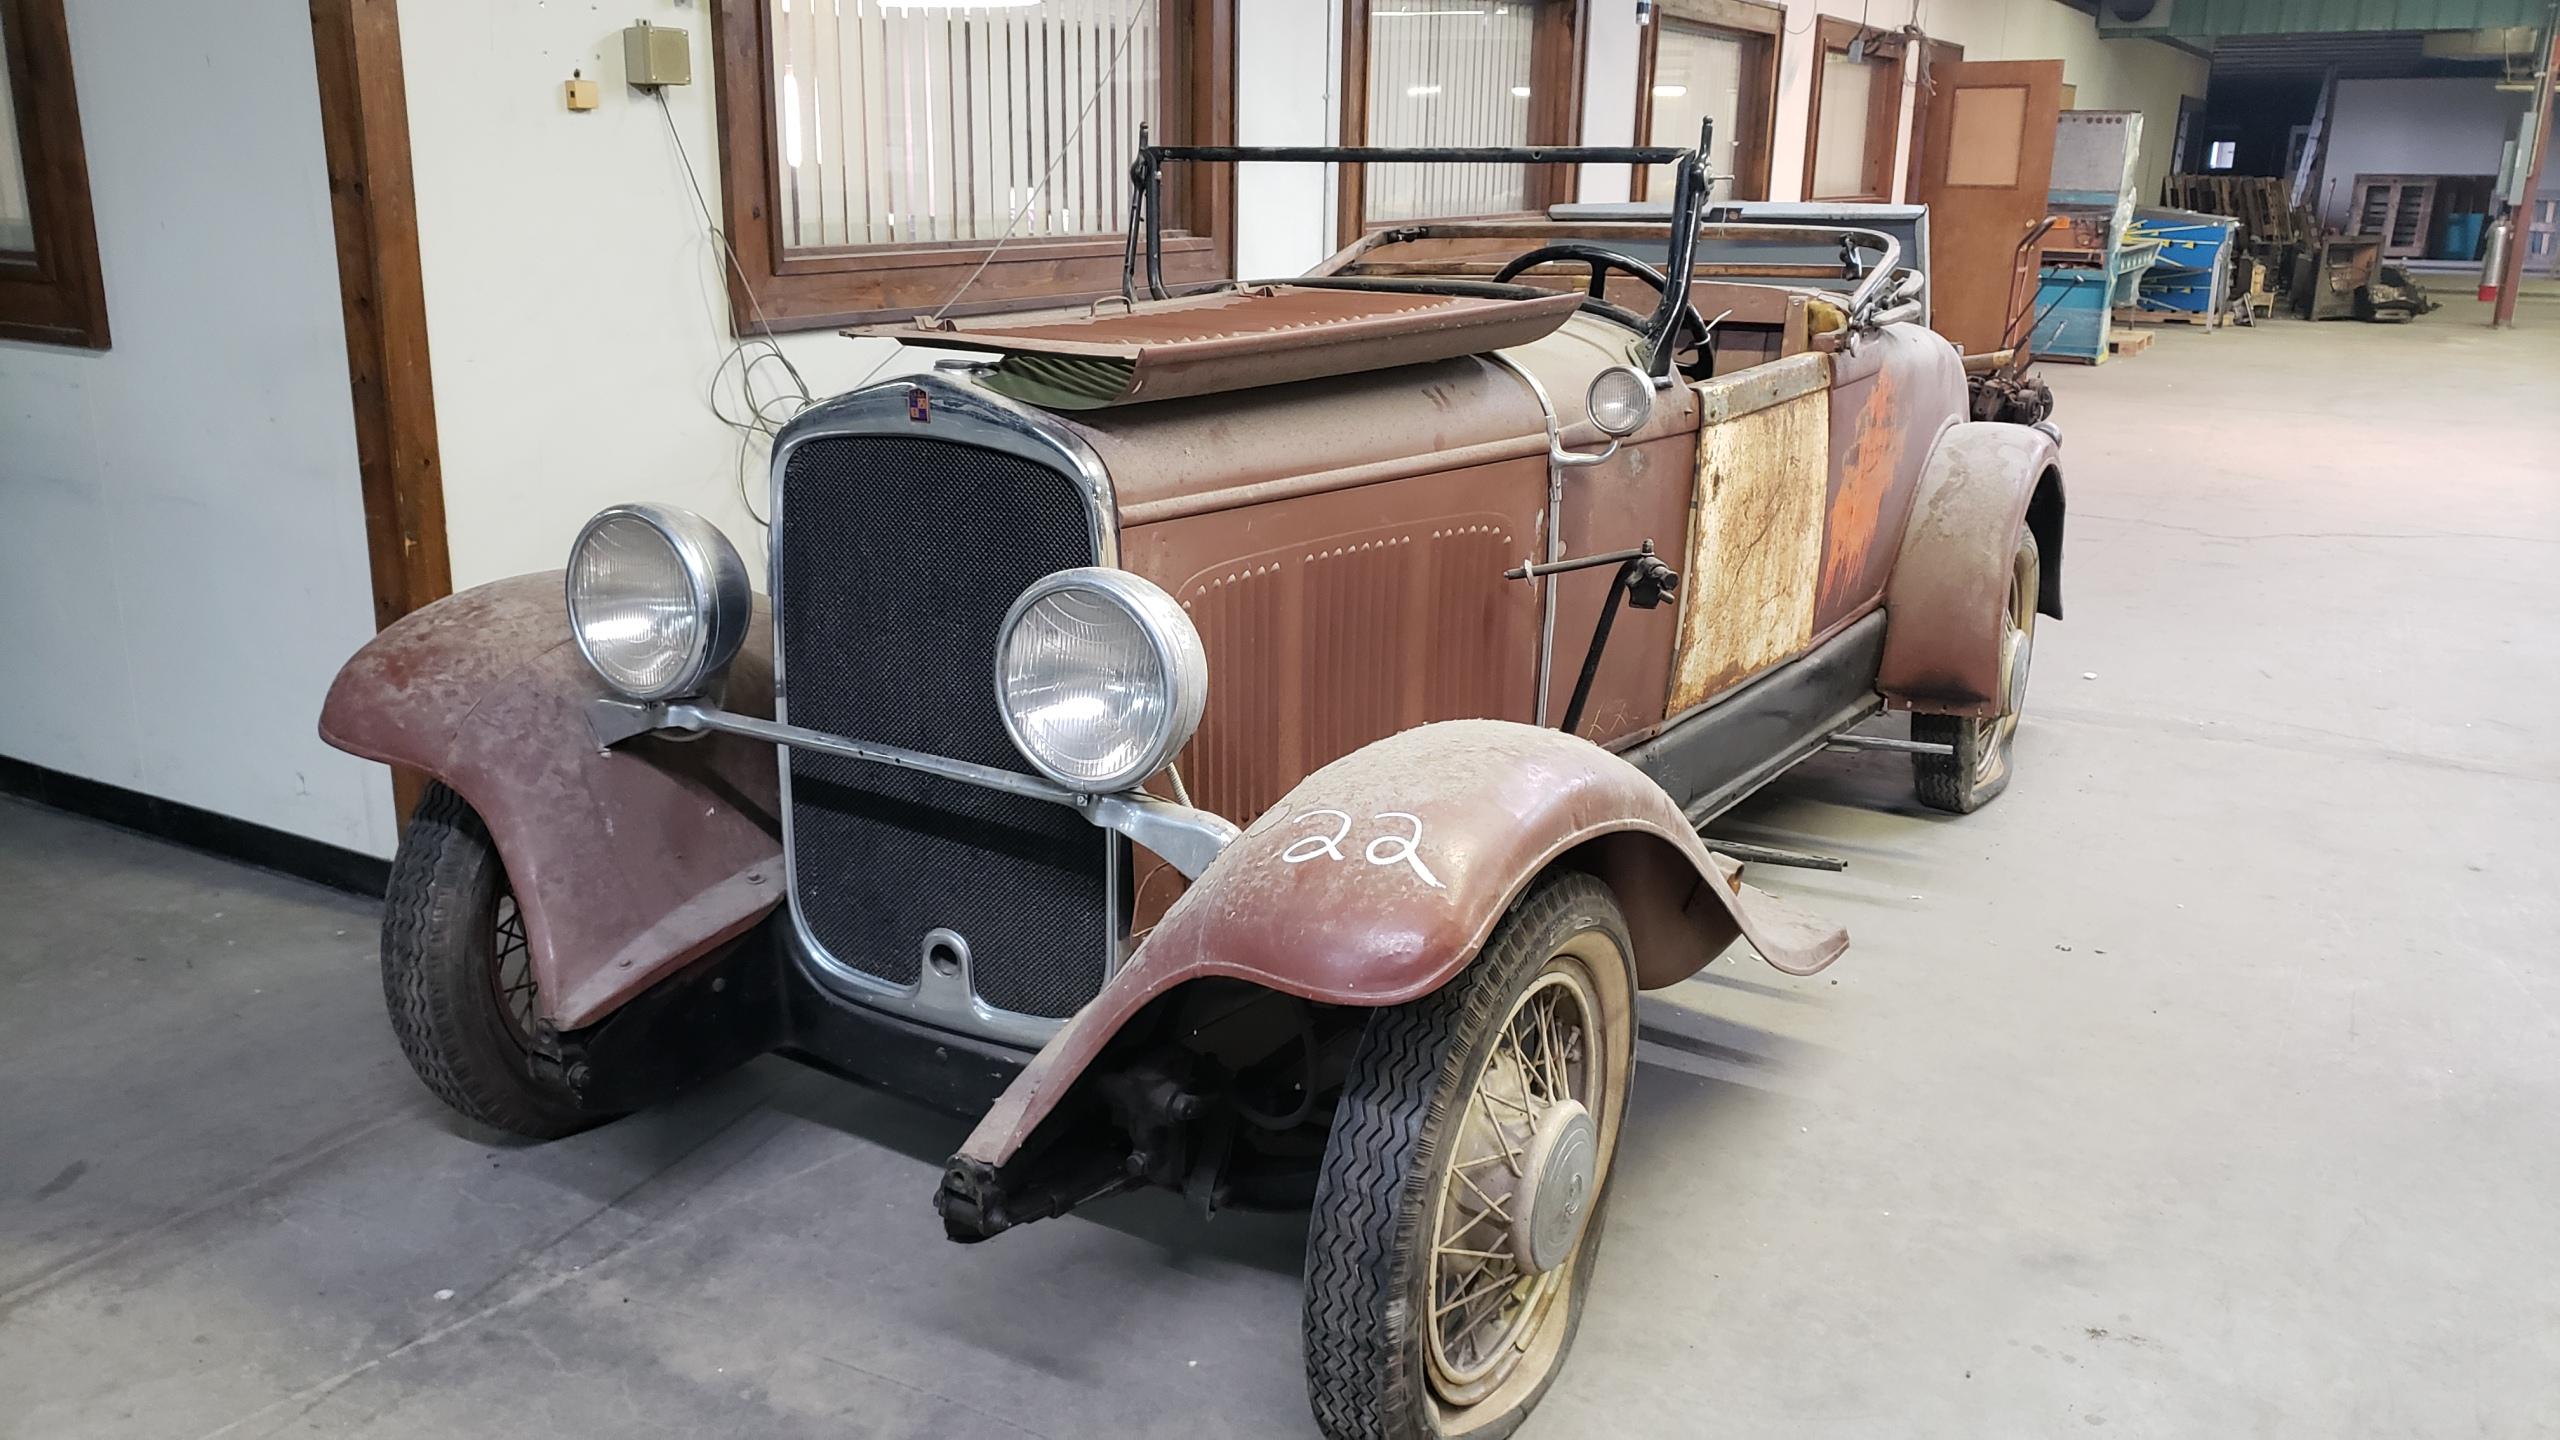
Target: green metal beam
[(2206, 19)]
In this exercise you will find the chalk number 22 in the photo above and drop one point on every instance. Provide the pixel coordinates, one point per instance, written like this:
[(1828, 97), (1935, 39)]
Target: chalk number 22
[(1386, 850)]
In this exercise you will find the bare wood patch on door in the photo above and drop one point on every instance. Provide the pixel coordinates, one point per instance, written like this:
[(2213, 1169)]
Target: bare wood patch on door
[(1755, 546)]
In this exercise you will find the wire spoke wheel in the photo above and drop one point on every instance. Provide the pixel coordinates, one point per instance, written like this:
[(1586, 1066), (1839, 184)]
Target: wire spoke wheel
[(457, 976), (511, 971), (1464, 1182), (1485, 1295)]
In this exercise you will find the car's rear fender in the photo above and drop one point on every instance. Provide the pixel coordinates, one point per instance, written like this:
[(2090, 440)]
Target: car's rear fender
[(626, 864), (1378, 878), (1986, 484)]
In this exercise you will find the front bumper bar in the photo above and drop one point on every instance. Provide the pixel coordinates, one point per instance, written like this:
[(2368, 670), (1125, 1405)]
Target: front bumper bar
[(1187, 838)]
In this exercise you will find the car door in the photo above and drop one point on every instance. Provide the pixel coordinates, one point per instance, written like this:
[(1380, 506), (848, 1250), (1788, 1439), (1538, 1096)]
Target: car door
[(1753, 564)]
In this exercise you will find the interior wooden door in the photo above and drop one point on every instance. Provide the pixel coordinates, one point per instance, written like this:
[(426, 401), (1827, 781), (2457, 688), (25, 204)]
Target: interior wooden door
[(1988, 162)]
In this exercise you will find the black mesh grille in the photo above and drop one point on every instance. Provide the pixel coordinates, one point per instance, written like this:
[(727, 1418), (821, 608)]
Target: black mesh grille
[(899, 559)]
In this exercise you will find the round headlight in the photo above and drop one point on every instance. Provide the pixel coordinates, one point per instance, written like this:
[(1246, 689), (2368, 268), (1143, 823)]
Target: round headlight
[(1619, 401), (658, 600), (1100, 678)]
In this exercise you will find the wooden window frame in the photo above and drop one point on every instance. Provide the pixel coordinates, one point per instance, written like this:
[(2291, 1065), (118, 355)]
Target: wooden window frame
[(1759, 28), (56, 293), (1884, 108), (1556, 44), (860, 284)]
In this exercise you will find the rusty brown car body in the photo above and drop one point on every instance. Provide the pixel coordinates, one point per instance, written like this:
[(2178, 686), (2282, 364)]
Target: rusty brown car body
[(1370, 494)]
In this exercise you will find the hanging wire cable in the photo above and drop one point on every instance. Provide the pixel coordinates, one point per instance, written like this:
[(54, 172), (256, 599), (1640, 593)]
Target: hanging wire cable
[(1066, 147), (785, 397), (753, 417)]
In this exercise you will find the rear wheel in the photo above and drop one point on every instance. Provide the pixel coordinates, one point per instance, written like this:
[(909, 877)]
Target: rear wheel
[(1458, 1213), (458, 977), (1978, 771)]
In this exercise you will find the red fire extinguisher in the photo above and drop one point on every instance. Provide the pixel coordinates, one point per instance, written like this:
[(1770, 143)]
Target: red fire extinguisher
[(2493, 257)]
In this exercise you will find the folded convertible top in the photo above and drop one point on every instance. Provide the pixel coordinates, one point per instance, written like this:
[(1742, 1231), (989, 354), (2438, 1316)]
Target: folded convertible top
[(1236, 339)]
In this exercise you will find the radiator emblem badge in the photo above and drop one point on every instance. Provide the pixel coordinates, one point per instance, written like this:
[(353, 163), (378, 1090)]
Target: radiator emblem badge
[(919, 406)]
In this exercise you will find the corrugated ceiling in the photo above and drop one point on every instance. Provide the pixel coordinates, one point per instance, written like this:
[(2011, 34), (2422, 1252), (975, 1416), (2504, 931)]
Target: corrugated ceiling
[(2356, 56), (2209, 19)]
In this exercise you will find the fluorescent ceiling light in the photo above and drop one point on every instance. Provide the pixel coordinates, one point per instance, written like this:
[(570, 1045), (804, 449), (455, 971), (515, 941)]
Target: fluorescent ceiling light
[(1421, 92), (1669, 92), (1520, 92), (1418, 14)]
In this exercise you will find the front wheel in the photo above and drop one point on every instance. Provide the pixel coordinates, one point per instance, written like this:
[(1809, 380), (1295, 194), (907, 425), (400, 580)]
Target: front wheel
[(1978, 771), (458, 978), (1458, 1212)]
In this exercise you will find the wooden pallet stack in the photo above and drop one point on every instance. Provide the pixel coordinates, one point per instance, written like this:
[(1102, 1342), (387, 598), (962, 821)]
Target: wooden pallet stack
[(2262, 204)]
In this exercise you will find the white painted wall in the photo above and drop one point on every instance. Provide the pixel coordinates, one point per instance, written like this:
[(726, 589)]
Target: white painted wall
[(182, 554), (2457, 126), (575, 313), (574, 304)]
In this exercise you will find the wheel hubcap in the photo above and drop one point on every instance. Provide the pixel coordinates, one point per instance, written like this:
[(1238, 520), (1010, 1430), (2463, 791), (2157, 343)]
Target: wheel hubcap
[(1562, 1161)]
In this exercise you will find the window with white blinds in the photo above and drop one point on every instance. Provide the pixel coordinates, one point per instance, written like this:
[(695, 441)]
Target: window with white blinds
[(17, 210), (1698, 75), (911, 122), (1448, 72)]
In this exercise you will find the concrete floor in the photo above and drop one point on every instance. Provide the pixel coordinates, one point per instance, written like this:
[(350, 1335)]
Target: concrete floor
[(2203, 1086)]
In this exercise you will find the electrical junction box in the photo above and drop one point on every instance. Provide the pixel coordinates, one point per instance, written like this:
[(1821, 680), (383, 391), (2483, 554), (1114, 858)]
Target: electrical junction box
[(655, 55)]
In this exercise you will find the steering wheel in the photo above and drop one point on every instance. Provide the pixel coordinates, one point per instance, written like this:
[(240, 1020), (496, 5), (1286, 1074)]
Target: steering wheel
[(1689, 332)]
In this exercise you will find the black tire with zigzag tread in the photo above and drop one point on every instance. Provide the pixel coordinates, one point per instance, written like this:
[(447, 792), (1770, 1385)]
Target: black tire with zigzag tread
[(1945, 782), (438, 943), (1366, 1252), (1948, 782)]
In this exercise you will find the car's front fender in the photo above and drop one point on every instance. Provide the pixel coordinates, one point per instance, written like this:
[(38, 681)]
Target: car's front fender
[(626, 864), (1380, 876)]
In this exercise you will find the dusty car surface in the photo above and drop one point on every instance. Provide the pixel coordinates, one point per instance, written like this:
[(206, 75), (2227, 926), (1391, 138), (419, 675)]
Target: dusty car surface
[(1251, 742)]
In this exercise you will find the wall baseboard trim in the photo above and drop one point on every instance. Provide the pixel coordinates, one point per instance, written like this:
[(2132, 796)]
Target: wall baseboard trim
[(234, 839)]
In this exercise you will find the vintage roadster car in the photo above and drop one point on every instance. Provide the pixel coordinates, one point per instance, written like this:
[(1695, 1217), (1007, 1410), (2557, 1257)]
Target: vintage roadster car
[(1251, 741)]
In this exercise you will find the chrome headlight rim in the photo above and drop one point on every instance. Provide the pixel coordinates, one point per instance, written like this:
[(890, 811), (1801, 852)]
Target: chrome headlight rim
[(1643, 385), (1179, 657), (717, 589)]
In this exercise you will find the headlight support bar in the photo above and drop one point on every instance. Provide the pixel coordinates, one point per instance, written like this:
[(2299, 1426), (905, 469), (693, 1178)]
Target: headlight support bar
[(1186, 837)]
